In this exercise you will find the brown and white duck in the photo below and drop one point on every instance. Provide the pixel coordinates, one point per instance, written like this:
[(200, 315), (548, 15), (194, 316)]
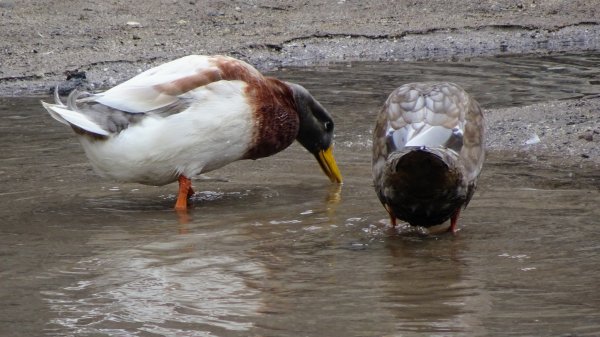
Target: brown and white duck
[(193, 115), (428, 151)]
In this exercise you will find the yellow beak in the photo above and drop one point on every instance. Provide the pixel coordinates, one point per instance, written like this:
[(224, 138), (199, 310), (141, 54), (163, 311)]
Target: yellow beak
[(328, 164)]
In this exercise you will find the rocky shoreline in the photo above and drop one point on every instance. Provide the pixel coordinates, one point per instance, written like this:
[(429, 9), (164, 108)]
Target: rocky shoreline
[(567, 132), (112, 41), (43, 44), (456, 44)]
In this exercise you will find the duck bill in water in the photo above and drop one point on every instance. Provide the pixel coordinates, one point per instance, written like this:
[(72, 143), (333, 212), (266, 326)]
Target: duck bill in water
[(315, 132), (328, 164)]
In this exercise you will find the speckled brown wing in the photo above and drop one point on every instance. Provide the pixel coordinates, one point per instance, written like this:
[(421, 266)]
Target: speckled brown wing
[(427, 151)]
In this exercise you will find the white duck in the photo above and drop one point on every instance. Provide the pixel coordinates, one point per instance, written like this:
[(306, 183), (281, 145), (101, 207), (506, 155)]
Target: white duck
[(193, 115), (428, 151)]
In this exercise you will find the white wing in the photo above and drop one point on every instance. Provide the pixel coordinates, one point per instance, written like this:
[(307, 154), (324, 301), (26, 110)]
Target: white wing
[(142, 93), (70, 117)]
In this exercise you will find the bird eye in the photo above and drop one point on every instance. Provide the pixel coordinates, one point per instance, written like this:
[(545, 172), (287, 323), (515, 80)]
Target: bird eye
[(328, 126)]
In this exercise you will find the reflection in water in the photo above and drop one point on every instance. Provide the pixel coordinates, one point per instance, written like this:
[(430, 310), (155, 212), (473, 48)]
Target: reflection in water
[(333, 199), (431, 292), (181, 285), (164, 288), (270, 248)]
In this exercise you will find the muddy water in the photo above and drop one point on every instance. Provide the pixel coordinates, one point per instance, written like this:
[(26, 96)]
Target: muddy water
[(270, 248)]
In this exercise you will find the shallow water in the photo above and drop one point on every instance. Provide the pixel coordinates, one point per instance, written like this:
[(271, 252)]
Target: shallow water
[(270, 248)]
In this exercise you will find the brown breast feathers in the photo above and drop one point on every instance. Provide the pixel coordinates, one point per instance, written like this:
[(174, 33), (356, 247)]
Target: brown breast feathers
[(275, 118)]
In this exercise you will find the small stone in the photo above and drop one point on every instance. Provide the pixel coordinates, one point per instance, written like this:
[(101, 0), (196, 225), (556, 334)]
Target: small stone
[(534, 139), (588, 135), (75, 74)]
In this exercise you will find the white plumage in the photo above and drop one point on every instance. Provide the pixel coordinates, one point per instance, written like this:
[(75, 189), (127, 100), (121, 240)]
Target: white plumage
[(193, 115), (159, 148)]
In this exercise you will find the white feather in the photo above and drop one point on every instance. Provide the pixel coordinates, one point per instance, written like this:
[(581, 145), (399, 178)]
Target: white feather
[(135, 99), (49, 108), (428, 136), (216, 128), (212, 132), (70, 117), (138, 94)]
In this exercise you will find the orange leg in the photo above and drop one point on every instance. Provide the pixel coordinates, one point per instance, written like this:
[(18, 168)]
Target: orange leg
[(392, 216), (454, 221), (393, 221), (185, 191)]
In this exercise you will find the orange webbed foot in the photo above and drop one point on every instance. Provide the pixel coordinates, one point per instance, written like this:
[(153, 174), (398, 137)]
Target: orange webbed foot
[(185, 191)]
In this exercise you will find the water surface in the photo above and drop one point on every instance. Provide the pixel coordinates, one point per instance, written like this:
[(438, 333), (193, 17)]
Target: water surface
[(270, 248)]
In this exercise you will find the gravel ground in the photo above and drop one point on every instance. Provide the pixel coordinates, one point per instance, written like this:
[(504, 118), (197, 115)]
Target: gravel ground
[(112, 40), (567, 133), (42, 41)]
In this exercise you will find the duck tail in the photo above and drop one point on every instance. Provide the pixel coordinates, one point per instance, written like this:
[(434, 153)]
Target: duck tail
[(420, 157), (57, 97), (70, 115), (57, 103)]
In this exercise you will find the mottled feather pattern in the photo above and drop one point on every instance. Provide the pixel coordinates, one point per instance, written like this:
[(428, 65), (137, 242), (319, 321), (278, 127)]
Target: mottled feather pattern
[(427, 151), (420, 109), (427, 114)]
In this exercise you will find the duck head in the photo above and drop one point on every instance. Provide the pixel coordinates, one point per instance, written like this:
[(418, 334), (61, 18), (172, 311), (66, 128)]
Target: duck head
[(316, 130)]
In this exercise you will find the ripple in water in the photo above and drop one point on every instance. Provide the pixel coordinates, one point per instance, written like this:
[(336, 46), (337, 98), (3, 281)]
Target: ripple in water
[(146, 290)]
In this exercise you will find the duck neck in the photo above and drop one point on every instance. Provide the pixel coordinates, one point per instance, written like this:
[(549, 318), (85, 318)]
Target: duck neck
[(275, 120)]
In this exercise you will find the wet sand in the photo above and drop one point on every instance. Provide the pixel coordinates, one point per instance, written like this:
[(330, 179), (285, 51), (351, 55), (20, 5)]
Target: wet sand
[(113, 41)]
